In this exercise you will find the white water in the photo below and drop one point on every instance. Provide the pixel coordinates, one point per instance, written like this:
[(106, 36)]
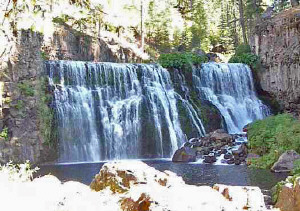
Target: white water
[(230, 88), (111, 111)]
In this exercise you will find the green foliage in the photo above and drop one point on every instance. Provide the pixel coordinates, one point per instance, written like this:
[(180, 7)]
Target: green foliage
[(181, 60), (20, 105), (17, 172), (4, 133), (278, 187), (26, 89), (273, 136), (247, 58), (45, 113), (296, 169), (44, 55), (276, 190), (243, 49)]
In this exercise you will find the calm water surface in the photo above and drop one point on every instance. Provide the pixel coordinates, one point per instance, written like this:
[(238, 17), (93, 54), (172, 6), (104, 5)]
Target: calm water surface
[(194, 174)]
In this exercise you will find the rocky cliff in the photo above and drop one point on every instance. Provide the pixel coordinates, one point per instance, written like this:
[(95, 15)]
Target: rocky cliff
[(69, 44), (27, 121), (277, 41), (21, 127)]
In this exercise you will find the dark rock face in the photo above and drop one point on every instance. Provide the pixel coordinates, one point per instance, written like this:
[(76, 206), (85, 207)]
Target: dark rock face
[(69, 44), (206, 111), (19, 112), (285, 162), (277, 41), (184, 154)]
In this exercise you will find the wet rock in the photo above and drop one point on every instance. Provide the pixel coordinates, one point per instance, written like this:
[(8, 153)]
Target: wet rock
[(285, 162), (218, 153), (224, 151), (237, 162), (241, 151), (228, 156), (211, 158), (205, 151), (230, 161), (187, 144), (223, 137), (184, 154)]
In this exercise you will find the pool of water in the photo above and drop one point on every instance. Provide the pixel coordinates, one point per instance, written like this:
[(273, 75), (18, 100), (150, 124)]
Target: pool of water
[(194, 174)]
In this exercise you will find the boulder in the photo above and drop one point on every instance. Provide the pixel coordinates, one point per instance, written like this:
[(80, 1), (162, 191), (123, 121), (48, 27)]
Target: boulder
[(289, 196), (241, 151), (184, 154), (285, 162), (247, 198), (219, 135), (145, 192), (211, 158), (228, 156)]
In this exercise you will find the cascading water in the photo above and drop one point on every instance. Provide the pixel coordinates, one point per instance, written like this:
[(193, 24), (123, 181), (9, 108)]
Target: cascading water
[(114, 111), (230, 88)]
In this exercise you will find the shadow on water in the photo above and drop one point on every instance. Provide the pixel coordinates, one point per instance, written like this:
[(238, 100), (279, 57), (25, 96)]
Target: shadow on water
[(193, 174)]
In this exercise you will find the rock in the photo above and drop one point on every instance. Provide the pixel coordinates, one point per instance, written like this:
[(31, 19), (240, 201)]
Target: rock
[(228, 156), (289, 196), (247, 198), (142, 204), (241, 151), (223, 137), (285, 162), (205, 151), (237, 162), (218, 153), (184, 154), (187, 144), (224, 151), (230, 161), (193, 140), (278, 57), (211, 158)]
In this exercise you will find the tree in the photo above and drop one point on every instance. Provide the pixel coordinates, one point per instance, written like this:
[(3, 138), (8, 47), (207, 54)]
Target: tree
[(242, 20)]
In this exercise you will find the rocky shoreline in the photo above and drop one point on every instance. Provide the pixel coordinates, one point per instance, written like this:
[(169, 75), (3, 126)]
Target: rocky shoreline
[(217, 146)]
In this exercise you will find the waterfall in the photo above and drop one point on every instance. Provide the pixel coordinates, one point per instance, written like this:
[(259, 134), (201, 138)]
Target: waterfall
[(230, 88), (111, 111)]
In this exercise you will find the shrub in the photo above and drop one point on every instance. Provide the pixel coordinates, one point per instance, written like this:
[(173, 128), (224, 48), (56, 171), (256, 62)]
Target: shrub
[(246, 58), (46, 114), (20, 105), (273, 136), (26, 89), (4, 133), (296, 169), (243, 55), (243, 49), (17, 172), (181, 60)]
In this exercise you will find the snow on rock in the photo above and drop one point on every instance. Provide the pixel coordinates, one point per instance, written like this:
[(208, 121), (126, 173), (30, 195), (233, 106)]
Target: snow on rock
[(134, 180), (128, 186)]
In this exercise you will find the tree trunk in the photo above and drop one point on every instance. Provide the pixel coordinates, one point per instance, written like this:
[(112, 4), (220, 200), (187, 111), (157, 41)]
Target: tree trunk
[(235, 34), (142, 25), (242, 20)]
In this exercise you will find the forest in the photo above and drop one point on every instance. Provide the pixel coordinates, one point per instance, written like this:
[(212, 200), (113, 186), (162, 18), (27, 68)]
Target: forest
[(157, 26)]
